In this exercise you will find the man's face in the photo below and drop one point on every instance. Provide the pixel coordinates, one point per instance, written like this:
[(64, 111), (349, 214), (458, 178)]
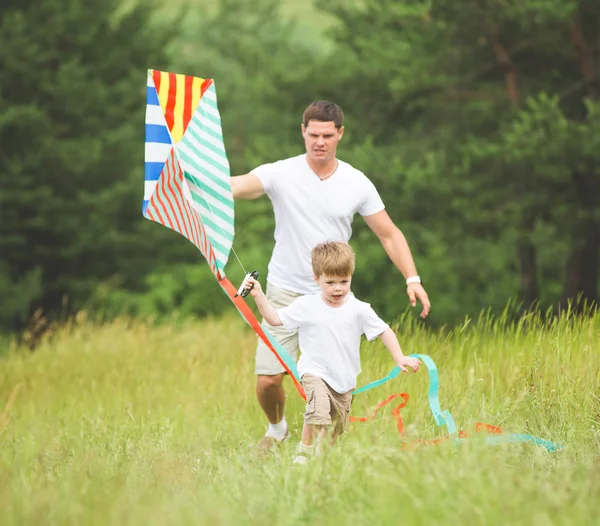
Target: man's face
[(334, 288), (321, 140)]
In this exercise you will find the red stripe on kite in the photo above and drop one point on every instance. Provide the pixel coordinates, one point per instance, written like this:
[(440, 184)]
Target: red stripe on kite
[(205, 85), (187, 101), (156, 75), (172, 98)]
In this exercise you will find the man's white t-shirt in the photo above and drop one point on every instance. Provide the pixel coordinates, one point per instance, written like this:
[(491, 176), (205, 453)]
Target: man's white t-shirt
[(309, 211), (329, 337)]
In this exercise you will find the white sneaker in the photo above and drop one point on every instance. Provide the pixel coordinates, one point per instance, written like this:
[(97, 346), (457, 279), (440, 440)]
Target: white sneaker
[(269, 443), (301, 459)]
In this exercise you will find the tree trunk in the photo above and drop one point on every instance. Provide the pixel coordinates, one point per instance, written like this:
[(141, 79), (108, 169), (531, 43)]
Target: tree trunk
[(581, 279), (529, 292)]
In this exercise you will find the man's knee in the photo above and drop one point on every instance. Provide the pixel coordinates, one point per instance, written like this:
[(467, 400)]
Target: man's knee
[(269, 383)]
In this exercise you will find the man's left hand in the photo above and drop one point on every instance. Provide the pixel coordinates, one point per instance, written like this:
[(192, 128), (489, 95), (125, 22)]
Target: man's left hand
[(416, 292)]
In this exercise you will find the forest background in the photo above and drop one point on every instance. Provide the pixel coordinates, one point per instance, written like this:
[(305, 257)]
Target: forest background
[(478, 121)]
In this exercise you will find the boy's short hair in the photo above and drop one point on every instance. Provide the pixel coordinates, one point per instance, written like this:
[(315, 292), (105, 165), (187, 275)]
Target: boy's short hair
[(324, 111), (333, 258)]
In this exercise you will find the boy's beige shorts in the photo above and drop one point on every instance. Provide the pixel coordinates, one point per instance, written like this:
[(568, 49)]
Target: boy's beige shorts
[(324, 406)]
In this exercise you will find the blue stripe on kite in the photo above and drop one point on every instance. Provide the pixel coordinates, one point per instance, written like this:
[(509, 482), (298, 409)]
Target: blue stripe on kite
[(152, 96), (144, 206), (152, 171), (157, 133)]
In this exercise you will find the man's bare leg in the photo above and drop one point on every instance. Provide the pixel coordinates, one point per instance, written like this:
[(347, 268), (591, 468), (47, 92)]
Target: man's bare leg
[(271, 396)]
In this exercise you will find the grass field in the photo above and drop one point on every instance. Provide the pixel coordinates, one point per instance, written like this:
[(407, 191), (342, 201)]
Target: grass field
[(126, 423)]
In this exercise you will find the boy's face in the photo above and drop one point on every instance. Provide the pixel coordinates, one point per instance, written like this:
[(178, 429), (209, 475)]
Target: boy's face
[(334, 288)]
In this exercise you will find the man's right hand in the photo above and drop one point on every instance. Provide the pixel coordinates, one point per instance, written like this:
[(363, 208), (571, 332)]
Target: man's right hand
[(416, 291), (246, 186)]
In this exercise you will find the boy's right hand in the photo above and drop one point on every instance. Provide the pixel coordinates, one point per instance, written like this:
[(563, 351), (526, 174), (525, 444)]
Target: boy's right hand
[(410, 362), (254, 290)]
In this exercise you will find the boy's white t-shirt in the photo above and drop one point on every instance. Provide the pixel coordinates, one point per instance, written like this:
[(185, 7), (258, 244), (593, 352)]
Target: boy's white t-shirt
[(329, 337), (309, 211)]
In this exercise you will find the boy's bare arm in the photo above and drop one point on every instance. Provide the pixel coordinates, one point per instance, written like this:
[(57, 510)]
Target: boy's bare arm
[(266, 309), (390, 340)]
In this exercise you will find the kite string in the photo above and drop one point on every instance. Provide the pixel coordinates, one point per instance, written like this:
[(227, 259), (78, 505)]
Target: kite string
[(239, 261)]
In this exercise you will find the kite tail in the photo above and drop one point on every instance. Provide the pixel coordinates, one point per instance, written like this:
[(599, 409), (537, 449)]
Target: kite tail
[(274, 346)]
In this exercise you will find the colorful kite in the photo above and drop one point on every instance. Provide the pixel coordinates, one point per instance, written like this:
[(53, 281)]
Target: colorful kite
[(187, 189), (186, 182)]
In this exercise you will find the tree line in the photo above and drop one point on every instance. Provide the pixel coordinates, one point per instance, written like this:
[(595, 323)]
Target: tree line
[(478, 122)]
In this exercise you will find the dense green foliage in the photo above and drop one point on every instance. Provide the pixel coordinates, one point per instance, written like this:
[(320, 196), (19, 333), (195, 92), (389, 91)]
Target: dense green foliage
[(480, 126)]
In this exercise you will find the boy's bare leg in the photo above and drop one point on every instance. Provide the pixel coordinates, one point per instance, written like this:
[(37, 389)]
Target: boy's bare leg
[(306, 448), (309, 431)]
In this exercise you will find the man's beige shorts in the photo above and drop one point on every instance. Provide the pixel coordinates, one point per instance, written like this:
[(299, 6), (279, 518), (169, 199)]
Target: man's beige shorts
[(324, 406), (266, 362)]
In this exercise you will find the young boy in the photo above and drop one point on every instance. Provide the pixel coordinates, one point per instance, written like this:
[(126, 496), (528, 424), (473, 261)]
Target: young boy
[(330, 325)]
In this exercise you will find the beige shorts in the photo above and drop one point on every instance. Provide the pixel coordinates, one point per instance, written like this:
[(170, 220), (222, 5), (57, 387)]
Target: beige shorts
[(324, 406), (266, 362)]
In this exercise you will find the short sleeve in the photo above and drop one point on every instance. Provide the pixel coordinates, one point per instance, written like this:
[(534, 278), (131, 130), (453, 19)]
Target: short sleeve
[(372, 202), (293, 315), (372, 325), (267, 175)]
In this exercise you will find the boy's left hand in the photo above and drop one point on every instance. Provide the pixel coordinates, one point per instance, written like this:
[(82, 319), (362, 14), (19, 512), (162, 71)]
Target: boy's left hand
[(408, 361)]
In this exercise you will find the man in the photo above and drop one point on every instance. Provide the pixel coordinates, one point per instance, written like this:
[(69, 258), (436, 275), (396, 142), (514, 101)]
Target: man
[(315, 197)]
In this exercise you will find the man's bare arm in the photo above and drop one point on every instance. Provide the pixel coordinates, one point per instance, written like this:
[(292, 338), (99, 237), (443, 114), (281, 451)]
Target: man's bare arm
[(246, 186), (397, 249)]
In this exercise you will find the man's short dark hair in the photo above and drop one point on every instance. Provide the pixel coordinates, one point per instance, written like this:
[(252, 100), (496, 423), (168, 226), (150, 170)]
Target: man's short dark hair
[(323, 111)]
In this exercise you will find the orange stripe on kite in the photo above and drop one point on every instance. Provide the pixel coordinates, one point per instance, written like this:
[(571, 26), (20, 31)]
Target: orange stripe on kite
[(162, 209), (176, 193), (199, 230), (165, 187)]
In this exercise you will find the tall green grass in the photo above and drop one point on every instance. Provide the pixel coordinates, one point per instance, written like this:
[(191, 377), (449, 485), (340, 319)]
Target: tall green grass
[(126, 423)]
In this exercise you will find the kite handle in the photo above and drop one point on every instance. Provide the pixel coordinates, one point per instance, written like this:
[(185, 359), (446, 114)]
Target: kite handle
[(242, 291)]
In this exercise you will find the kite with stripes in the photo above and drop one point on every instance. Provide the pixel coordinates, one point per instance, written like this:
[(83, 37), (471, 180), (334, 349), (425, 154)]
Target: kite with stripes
[(187, 184)]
